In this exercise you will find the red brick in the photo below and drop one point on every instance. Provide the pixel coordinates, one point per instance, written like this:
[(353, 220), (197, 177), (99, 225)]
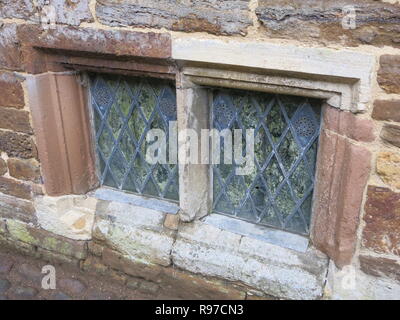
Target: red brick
[(389, 73), (15, 120), (349, 125), (12, 94), (15, 188), (382, 218), (342, 174), (386, 110)]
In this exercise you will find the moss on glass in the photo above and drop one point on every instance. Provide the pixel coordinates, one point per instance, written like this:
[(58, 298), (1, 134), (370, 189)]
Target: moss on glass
[(126, 108), (285, 163)]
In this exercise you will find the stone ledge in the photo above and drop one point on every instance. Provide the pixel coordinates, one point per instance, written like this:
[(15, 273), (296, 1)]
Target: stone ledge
[(276, 271), (133, 231)]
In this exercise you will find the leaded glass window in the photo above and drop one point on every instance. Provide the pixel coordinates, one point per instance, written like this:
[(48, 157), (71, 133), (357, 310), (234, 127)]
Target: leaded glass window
[(279, 191), (124, 110)]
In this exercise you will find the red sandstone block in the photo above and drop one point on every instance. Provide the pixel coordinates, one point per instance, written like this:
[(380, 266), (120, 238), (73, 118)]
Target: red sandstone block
[(342, 174), (382, 217), (348, 124), (12, 94)]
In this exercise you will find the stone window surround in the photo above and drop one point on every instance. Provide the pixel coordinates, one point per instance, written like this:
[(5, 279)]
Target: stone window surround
[(342, 79)]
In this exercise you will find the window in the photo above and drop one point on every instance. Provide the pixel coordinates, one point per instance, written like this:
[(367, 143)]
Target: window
[(124, 110), (279, 191)]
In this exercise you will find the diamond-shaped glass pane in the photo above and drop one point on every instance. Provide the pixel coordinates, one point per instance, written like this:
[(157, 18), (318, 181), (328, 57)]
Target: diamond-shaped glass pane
[(278, 192), (288, 151), (125, 109), (275, 122)]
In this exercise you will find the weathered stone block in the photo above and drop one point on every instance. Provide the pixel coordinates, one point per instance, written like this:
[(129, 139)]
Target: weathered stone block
[(20, 231), (95, 265), (55, 257), (222, 17), (379, 266), (10, 56), (3, 167), (134, 231), (6, 263), (365, 286), (3, 227), (171, 221), (310, 20), (67, 12), (194, 287), (15, 120), (389, 73), (95, 248), (342, 175), (14, 208), (15, 188), (70, 12), (12, 92), (348, 124), (382, 218), (24, 169), (387, 110), (388, 168), (69, 216), (130, 265), (204, 249), (391, 134), (20, 9), (17, 145)]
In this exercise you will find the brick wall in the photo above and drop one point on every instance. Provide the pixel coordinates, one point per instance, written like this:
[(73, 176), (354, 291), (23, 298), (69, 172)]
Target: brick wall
[(305, 23)]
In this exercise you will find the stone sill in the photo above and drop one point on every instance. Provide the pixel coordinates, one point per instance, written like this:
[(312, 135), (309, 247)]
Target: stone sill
[(138, 233), (109, 194), (273, 236)]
